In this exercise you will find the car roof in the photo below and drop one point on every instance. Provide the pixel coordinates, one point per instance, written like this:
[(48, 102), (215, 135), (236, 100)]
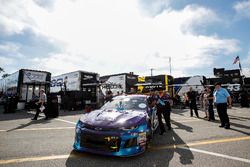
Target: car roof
[(131, 96)]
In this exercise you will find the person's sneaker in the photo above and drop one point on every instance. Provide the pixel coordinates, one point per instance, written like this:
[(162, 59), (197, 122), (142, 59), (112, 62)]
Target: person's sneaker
[(33, 119), (222, 126), (45, 118), (227, 127)]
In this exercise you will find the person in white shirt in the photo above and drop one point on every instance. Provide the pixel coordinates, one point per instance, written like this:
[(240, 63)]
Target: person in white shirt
[(41, 105)]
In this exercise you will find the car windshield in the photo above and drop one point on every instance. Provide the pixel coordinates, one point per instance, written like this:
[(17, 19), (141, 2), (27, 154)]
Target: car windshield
[(126, 103)]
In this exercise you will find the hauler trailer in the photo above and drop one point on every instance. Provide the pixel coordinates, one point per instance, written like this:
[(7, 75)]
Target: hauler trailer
[(232, 83), (118, 83), (23, 84), (76, 89), (246, 88), (247, 85), (182, 84), (155, 83)]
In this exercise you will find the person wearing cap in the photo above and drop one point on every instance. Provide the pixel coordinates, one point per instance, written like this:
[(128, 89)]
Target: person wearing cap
[(221, 98), (41, 104), (191, 97)]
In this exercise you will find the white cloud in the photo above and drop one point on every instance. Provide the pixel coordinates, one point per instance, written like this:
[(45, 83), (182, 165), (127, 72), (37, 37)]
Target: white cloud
[(9, 47), (113, 36), (10, 50), (59, 63), (246, 71), (246, 61), (196, 18), (243, 8), (153, 7), (14, 17), (47, 4), (246, 65), (5, 61), (10, 56)]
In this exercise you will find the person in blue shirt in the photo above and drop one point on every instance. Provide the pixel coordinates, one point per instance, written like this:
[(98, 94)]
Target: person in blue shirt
[(221, 98)]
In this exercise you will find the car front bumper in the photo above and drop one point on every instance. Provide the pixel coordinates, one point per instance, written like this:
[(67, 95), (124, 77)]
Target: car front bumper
[(113, 143)]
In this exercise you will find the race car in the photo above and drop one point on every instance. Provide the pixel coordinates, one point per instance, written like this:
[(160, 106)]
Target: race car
[(122, 127)]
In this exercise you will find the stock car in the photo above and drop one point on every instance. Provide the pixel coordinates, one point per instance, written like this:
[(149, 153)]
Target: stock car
[(122, 127)]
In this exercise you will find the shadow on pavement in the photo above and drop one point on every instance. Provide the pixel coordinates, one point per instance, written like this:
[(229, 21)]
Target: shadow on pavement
[(233, 124), (180, 111), (238, 118), (23, 114), (182, 126), (14, 116), (240, 131), (22, 126), (154, 156)]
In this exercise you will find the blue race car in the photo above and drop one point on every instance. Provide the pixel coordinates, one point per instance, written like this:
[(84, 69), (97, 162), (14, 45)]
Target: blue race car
[(122, 127)]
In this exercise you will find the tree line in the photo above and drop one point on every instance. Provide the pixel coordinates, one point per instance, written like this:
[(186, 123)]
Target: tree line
[(4, 75)]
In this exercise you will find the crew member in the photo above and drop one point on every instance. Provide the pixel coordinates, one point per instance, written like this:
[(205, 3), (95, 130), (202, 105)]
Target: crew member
[(191, 96), (42, 103), (222, 97), (210, 104), (164, 108)]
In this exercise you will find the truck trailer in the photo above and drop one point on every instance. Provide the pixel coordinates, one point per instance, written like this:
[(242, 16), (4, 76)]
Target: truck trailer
[(118, 83), (24, 84), (76, 89), (159, 83)]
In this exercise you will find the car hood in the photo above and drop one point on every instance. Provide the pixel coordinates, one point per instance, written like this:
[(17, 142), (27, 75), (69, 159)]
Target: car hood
[(114, 118)]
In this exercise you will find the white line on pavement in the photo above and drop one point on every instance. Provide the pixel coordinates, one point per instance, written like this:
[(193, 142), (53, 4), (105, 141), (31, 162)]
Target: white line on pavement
[(184, 121), (54, 157), (62, 120), (217, 154), (33, 159), (37, 129), (58, 119)]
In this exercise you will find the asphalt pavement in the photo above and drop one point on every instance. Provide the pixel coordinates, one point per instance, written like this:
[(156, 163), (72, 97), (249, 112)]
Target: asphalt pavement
[(192, 142)]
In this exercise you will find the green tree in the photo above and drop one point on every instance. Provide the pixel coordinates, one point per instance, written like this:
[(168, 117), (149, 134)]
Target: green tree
[(5, 75), (1, 69)]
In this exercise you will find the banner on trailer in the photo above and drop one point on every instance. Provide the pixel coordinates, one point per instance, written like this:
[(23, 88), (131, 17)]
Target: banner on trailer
[(115, 84), (71, 81), (34, 76)]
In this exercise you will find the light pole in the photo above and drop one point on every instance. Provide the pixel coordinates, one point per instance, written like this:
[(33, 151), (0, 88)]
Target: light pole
[(170, 63), (170, 70), (151, 69)]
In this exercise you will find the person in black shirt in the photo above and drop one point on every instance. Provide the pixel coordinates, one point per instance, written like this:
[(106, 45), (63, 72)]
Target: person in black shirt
[(210, 98), (191, 95), (164, 109)]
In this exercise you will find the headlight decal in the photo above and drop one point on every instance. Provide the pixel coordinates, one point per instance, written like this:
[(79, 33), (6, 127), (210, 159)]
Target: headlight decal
[(141, 139), (79, 125)]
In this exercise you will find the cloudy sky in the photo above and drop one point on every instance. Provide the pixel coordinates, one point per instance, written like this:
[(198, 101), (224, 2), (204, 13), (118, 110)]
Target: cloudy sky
[(115, 36)]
